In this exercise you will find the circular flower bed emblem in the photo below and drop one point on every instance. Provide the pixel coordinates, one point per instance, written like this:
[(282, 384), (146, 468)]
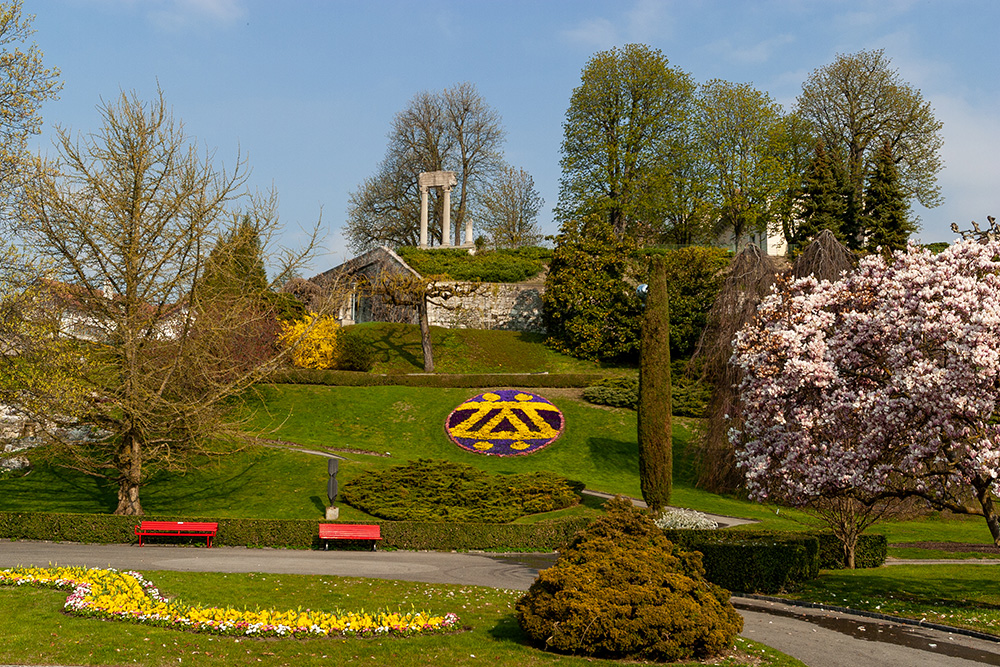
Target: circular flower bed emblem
[(506, 422)]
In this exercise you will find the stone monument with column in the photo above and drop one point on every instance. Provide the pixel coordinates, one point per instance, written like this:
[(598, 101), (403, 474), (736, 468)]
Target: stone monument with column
[(444, 180)]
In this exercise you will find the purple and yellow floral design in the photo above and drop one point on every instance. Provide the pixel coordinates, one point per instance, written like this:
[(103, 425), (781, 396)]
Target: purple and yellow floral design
[(505, 422)]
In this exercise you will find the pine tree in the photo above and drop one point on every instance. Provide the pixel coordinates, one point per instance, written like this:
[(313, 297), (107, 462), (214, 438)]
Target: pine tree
[(823, 201), (886, 212)]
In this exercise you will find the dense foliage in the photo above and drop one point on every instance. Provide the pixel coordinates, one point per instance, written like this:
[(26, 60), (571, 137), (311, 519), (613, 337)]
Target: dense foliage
[(623, 126), (886, 382), (621, 589), (497, 266), (590, 307), (429, 490), (688, 396), (654, 409), (354, 351), (694, 278)]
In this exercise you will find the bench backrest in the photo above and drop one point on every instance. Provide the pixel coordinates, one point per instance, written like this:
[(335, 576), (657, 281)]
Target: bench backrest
[(193, 526), (332, 531)]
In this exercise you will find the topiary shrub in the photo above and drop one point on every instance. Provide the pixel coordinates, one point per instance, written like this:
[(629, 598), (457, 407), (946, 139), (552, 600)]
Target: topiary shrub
[(429, 490), (354, 352), (621, 589)]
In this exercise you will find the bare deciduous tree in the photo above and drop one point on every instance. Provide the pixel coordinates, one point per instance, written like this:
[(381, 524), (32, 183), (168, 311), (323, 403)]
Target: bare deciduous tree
[(127, 218), (454, 130), (508, 210)]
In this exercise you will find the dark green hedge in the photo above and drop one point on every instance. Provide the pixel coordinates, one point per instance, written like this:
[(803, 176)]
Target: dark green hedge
[(297, 534), (449, 381), (871, 551), (753, 561)]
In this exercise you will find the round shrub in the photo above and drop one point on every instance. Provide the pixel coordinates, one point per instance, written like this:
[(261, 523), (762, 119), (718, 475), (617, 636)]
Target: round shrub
[(623, 590), (354, 352), (430, 490)]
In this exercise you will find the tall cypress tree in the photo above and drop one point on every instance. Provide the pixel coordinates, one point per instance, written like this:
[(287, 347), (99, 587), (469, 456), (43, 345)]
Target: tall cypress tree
[(655, 440), (886, 213)]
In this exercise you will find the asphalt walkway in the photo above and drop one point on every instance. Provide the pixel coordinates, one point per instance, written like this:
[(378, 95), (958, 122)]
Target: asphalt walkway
[(818, 637)]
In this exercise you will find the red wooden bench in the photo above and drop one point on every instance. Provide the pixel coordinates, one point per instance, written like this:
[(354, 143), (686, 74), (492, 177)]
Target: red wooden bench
[(348, 531), (177, 528)]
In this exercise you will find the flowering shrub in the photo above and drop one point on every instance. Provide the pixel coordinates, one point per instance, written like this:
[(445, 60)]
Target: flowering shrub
[(683, 519), (884, 382), (312, 341), (127, 596), (505, 422)]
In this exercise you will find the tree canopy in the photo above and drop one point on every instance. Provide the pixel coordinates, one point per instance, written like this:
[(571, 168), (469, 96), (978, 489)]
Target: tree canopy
[(624, 123), (508, 210), (25, 84), (859, 103)]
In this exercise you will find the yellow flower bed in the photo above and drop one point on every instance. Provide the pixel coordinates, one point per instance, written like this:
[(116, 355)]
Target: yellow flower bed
[(111, 594)]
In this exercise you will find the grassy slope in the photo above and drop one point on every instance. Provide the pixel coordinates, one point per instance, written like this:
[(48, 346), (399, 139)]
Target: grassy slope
[(397, 350)]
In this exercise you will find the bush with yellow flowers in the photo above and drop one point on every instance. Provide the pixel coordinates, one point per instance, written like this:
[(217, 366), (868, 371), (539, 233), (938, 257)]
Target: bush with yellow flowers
[(113, 595), (312, 341)]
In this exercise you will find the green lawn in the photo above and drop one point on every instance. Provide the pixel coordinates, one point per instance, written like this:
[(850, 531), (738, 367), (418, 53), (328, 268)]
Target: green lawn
[(47, 636), (399, 424), (964, 596), (397, 350)]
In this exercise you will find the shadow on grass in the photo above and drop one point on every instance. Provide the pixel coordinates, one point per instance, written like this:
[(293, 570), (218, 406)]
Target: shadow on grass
[(170, 489), (393, 344), (620, 455), (319, 504), (508, 631), (52, 488)]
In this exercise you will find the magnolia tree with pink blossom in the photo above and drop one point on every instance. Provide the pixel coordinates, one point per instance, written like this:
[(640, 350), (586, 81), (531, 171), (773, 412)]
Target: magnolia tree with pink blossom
[(884, 384)]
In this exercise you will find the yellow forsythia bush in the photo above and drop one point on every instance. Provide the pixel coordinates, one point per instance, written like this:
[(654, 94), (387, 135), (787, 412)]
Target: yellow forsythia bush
[(312, 341)]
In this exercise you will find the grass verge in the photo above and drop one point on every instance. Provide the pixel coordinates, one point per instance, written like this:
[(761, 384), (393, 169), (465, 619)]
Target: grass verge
[(46, 636), (964, 596)]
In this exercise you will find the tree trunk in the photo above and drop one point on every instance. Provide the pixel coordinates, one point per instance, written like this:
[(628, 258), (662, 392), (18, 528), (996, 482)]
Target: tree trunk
[(425, 336), (850, 548), (129, 465), (985, 498), (655, 438)]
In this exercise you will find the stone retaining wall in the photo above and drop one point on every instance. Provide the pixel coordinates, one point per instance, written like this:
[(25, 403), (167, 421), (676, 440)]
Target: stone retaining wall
[(495, 306)]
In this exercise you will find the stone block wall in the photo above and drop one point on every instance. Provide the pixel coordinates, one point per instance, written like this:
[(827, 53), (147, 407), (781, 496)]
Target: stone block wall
[(495, 306)]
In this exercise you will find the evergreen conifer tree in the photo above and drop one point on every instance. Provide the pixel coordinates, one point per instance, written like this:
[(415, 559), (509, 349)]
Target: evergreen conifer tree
[(886, 209), (824, 202)]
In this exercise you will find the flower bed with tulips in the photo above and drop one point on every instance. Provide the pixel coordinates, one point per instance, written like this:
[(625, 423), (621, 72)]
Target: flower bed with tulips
[(127, 596)]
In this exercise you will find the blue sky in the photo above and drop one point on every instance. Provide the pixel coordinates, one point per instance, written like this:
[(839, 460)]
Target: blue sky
[(306, 89)]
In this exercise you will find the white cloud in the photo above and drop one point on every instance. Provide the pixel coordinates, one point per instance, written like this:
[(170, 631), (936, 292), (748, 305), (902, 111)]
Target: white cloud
[(182, 14), (646, 21)]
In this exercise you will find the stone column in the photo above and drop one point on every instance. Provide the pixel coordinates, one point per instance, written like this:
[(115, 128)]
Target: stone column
[(423, 217), (469, 241), (446, 217)]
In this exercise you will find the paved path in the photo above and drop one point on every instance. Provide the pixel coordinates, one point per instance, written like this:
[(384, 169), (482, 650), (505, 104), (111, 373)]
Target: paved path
[(818, 638)]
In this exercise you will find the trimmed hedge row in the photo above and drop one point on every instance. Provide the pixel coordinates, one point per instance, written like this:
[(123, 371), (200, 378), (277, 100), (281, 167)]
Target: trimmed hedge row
[(296, 534), (768, 561), (871, 551), (753, 561), (447, 381)]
